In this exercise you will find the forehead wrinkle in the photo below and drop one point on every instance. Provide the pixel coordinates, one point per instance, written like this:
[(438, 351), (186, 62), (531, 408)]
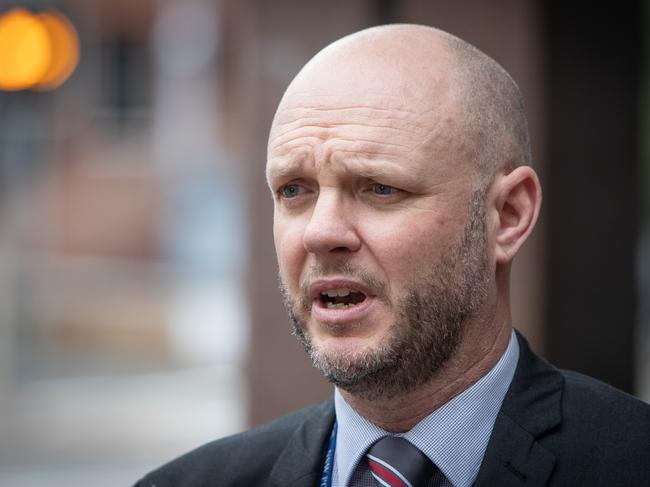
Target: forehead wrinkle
[(298, 117), (281, 167), (324, 98), (372, 111), (362, 145), (304, 123), (290, 144), (356, 163), (321, 153), (297, 162), (381, 161), (348, 132)]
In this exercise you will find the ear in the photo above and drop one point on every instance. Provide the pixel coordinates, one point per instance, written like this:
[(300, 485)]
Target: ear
[(517, 198)]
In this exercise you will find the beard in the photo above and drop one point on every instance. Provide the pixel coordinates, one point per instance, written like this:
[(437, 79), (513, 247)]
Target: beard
[(432, 316)]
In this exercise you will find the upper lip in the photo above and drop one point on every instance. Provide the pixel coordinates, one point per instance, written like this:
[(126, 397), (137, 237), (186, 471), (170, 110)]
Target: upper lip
[(322, 285)]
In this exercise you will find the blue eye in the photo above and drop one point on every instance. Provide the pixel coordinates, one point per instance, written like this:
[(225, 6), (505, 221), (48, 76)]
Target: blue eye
[(290, 191), (383, 189)]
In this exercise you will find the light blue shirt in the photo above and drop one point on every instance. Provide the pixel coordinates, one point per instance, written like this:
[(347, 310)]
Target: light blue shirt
[(454, 437)]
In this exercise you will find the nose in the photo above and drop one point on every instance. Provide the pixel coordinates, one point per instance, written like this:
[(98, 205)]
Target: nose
[(331, 227)]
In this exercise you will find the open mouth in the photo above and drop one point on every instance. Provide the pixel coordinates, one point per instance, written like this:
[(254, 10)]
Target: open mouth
[(341, 298)]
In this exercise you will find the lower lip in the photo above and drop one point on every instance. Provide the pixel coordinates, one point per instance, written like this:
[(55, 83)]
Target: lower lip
[(340, 316)]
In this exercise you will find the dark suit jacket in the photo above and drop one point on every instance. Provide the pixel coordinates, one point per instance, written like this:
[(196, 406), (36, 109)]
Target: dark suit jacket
[(554, 428)]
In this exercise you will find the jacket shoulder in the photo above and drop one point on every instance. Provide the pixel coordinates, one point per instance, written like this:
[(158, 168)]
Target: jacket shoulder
[(242, 459), (579, 385), (604, 411), (604, 435)]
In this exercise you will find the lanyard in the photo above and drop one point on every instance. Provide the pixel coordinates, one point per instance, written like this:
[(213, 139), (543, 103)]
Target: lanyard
[(326, 477)]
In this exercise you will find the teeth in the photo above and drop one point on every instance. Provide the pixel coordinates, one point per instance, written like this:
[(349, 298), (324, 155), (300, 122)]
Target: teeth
[(338, 305), (332, 293)]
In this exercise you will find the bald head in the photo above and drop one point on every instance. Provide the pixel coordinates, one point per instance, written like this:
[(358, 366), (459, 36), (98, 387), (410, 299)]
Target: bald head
[(465, 97)]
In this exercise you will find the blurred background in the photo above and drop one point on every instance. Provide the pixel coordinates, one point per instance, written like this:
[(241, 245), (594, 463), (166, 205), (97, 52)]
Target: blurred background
[(139, 311)]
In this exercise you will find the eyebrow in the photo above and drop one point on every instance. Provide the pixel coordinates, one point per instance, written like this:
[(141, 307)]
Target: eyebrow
[(284, 169), (293, 165)]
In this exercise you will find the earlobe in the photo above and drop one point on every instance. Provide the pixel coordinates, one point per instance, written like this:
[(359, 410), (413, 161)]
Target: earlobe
[(518, 200)]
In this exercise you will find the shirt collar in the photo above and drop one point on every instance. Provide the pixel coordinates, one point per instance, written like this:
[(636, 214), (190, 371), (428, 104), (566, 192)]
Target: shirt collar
[(454, 436)]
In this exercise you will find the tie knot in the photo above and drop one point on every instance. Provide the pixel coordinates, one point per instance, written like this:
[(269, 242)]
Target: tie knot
[(395, 462)]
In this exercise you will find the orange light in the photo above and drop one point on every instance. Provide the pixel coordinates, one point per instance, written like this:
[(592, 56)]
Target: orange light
[(65, 50), (36, 51), (25, 50)]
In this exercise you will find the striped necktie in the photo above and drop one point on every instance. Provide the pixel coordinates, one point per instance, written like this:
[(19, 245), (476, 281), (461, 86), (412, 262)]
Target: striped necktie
[(394, 462)]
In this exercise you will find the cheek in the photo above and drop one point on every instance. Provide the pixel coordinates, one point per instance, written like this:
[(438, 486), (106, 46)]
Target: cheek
[(289, 249), (414, 243)]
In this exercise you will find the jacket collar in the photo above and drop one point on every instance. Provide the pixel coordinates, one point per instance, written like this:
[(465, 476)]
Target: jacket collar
[(531, 408), (300, 463)]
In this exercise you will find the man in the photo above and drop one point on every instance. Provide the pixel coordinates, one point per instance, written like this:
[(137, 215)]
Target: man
[(399, 163)]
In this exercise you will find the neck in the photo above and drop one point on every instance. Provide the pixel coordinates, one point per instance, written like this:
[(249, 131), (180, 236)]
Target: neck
[(475, 357)]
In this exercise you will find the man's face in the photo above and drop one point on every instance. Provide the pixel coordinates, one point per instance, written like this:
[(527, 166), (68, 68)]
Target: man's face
[(379, 233)]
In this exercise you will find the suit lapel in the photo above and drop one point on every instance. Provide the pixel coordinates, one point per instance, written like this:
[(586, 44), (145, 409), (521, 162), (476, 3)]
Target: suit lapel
[(300, 464), (514, 458), (531, 407)]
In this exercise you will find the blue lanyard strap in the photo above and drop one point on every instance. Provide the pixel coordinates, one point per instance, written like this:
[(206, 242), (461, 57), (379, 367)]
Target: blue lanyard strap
[(328, 466)]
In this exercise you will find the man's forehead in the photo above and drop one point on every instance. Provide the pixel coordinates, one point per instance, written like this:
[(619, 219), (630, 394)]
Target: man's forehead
[(351, 103), (376, 130), (392, 101)]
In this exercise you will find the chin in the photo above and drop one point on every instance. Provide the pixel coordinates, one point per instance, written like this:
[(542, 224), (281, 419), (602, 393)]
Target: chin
[(342, 346), (347, 338)]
